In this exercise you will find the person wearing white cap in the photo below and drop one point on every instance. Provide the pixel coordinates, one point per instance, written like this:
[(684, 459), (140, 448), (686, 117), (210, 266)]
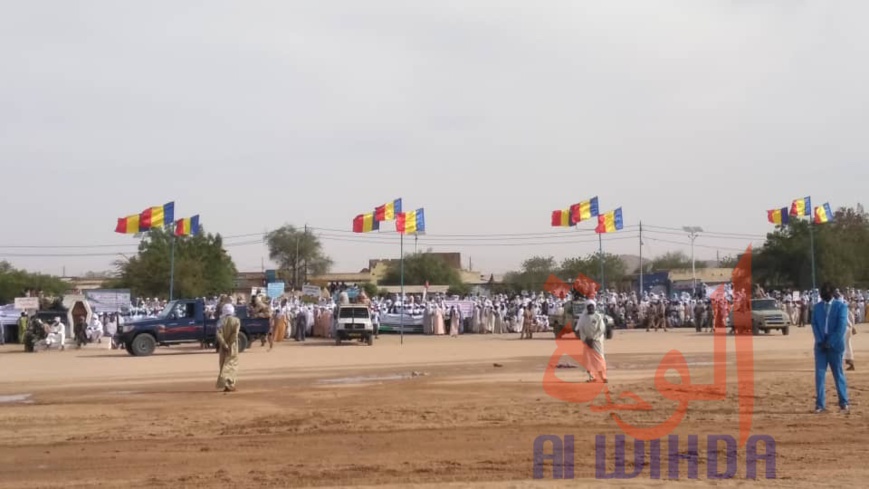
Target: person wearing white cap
[(57, 334), (227, 341), (592, 331)]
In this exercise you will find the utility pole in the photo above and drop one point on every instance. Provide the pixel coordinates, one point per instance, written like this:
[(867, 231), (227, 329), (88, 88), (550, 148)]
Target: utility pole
[(641, 259), (305, 269), (296, 266), (692, 233)]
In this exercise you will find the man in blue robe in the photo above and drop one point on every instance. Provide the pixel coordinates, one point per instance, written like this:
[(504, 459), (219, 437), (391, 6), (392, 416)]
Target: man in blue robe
[(829, 322)]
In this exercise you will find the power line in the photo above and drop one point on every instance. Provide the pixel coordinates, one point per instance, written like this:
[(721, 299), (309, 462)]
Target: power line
[(740, 250), (573, 236)]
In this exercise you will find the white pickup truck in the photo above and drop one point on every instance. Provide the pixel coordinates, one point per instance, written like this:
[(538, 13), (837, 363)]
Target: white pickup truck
[(354, 321)]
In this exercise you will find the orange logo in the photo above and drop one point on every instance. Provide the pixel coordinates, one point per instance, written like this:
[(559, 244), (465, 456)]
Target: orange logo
[(684, 392)]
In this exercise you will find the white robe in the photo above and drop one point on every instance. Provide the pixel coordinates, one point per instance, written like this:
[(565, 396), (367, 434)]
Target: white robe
[(849, 352), (57, 335)]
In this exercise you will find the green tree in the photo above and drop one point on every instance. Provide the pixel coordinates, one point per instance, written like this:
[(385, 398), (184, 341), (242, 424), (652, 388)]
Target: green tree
[(370, 289), (841, 254), (15, 283), (298, 253), (615, 269), (729, 261), (672, 260), (202, 266), (420, 268), (532, 275), (459, 289)]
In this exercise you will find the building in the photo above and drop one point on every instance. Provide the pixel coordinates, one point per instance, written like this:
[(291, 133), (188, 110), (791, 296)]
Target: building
[(374, 274), (84, 283), (683, 280)]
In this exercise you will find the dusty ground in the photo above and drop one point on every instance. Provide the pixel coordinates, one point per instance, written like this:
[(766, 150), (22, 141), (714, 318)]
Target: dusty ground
[(315, 414)]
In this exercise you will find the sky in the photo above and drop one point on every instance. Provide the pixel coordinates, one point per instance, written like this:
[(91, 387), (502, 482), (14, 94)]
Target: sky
[(487, 114)]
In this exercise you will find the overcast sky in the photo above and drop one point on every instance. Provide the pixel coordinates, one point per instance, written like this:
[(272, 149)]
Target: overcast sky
[(489, 114)]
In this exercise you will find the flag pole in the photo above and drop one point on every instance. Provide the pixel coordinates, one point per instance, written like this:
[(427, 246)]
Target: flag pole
[(812, 244), (172, 268), (401, 328), (602, 277), (641, 260)]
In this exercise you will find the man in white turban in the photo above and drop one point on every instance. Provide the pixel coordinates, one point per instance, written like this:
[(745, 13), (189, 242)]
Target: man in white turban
[(227, 341), (592, 331)]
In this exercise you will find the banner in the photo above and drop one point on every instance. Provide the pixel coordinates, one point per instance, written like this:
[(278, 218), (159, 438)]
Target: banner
[(108, 300), (275, 289), (26, 303), (465, 307), (311, 290)]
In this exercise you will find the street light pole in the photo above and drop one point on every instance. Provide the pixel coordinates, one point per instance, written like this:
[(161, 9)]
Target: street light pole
[(692, 233)]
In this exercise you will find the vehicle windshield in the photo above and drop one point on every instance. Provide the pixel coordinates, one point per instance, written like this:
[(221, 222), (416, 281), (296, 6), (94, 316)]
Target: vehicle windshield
[(353, 313), (763, 305), (169, 309)]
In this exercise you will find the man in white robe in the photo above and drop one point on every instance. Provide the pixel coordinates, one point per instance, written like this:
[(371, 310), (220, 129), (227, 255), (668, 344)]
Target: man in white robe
[(592, 331), (95, 329), (850, 330), (56, 335)]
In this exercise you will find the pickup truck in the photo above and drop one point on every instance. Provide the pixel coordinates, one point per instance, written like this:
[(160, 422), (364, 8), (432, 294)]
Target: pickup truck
[(184, 321), (568, 314)]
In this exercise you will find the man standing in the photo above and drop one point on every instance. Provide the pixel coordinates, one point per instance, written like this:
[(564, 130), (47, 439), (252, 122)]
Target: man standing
[(592, 330), (829, 321), (227, 341), (527, 320), (22, 327)]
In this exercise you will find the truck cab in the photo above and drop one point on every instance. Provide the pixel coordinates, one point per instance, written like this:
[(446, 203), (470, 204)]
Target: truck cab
[(183, 321)]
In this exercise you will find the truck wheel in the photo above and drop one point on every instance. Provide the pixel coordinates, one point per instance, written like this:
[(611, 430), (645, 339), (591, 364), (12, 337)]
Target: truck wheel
[(337, 340), (369, 339), (786, 330), (143, 345), (242, 342)]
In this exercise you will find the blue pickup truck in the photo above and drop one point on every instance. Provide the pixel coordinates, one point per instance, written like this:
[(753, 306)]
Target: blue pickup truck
[(184, 321)]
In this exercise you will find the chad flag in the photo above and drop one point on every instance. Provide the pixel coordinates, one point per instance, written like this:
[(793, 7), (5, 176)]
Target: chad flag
[(823, 214), (562, 218), (128, 225), (189, 226), (387, 212), (584, 210), (365, 223), (778, 216), (801, 207), (157, 217), (609, 222), (412, 222)]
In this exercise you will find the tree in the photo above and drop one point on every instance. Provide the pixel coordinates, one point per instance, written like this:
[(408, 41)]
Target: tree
[(614, 269), (459, 289), (420, 268), (298, 253), (841, 255), (729, 261), (370, 289), (202, 266), (532, 275), (673, 260), (16, 283)]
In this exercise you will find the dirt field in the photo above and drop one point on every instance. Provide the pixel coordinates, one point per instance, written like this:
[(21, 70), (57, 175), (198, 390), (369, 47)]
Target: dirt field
[(314, 414)]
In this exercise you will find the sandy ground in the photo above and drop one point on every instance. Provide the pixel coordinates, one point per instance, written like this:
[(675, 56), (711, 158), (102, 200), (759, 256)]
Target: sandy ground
[(314, 414)]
